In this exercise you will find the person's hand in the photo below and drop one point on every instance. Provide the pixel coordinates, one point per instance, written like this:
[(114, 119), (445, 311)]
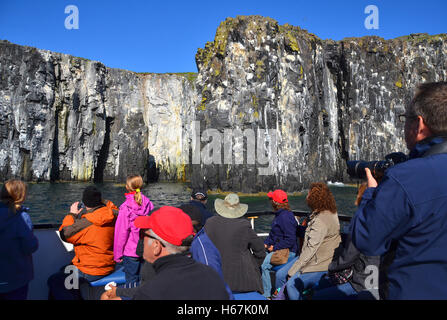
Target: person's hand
[(110, 294), (372, 183), (270, 249), (74, 208)]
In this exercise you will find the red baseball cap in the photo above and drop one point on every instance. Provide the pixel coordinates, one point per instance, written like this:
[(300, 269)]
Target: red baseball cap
[(170, 223), (278, 196)]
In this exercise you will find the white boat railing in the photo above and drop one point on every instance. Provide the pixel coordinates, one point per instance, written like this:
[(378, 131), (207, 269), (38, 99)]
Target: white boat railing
[(255, 215)]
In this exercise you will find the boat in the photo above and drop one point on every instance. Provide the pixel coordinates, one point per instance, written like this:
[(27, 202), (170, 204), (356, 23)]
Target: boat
[(53, 253)]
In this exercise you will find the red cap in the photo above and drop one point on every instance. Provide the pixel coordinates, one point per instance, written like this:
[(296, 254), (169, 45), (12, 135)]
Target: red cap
[(170, 223), (278, 196)]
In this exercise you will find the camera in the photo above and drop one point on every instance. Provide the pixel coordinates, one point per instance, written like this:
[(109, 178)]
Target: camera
[(356, 169), (81, 205)]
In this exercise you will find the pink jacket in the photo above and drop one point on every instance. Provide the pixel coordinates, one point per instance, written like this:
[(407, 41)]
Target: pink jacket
[(126, 234)]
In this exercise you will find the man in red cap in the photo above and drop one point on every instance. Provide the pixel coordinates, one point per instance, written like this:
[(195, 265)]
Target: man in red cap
[(167, 235)]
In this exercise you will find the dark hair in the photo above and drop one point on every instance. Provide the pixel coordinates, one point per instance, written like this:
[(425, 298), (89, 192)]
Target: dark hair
[(320, 198), (430, 102), (194, 213), (276, 205), (92, 197)]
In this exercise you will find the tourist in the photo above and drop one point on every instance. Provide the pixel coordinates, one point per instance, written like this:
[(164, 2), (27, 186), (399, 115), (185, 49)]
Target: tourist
[(349, 272), (168, 233), (322, 237), (199, 199), (282, 235), (17, 242), (126, 234), (91, 231), (242, 251), (202, 248), (404, 218)]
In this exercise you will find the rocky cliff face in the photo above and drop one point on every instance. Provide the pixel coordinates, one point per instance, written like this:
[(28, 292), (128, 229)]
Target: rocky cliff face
[(272, 106), (324, 101), (67, 118)]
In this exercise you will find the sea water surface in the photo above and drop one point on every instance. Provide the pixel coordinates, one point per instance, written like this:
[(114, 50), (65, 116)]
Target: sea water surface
[(50, 202)]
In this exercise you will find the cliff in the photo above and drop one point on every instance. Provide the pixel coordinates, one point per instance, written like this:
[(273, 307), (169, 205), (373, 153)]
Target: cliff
[(325, 100), (68, 118), (305, 104)]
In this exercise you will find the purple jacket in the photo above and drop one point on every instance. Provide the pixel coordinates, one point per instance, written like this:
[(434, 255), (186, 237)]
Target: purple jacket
[(126, 234)]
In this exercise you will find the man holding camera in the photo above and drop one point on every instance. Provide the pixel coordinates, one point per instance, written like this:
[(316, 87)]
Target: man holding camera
[(90, 228), (404, 217)]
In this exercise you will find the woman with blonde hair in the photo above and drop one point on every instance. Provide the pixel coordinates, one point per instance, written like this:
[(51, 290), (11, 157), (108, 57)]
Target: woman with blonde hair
[(126, 234), (17, 242), (322, 237)]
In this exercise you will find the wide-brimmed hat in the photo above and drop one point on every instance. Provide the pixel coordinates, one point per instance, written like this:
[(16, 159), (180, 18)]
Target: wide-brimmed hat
[(230, 207)]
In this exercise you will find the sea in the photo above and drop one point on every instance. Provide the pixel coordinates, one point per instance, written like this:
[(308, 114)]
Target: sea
[(48, 203)]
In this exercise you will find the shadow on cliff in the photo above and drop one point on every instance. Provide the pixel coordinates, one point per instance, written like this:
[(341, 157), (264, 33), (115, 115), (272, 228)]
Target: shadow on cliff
[(153, 172)]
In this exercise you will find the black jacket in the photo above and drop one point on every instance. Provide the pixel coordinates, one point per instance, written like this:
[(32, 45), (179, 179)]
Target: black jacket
[(179, 277), (203, 210), (234, 238), (348, 256)]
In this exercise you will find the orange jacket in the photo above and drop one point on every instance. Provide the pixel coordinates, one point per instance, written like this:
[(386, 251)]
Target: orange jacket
[(92, 236)]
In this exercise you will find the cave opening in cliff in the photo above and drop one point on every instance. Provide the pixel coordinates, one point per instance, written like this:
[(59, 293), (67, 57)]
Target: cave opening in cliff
[(54, 173), (98, 176), (153, 171)]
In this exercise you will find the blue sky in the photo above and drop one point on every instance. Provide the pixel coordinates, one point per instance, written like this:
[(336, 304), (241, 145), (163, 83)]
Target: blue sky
[(163, 36)]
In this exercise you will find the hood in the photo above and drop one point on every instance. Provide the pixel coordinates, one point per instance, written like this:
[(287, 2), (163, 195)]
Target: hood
[(137, 210), (102, 215), (430, 145), (7, 217)]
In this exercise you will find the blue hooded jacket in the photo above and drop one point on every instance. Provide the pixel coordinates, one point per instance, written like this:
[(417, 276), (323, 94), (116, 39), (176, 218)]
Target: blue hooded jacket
[(17, 243), (204, 251), (404, 220)]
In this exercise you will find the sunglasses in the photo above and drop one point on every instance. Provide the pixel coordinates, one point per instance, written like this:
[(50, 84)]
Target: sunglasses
[(403, 117), (144, 234)]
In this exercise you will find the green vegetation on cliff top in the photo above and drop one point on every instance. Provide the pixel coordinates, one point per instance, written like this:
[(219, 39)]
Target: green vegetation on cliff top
[(292, 35)]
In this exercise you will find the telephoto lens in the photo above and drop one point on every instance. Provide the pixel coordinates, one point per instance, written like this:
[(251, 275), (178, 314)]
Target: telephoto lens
[(356, 169)]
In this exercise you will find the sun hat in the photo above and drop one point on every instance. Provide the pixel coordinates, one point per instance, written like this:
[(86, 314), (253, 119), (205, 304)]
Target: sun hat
[(278, 196), (169, 223), (230, 207)]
